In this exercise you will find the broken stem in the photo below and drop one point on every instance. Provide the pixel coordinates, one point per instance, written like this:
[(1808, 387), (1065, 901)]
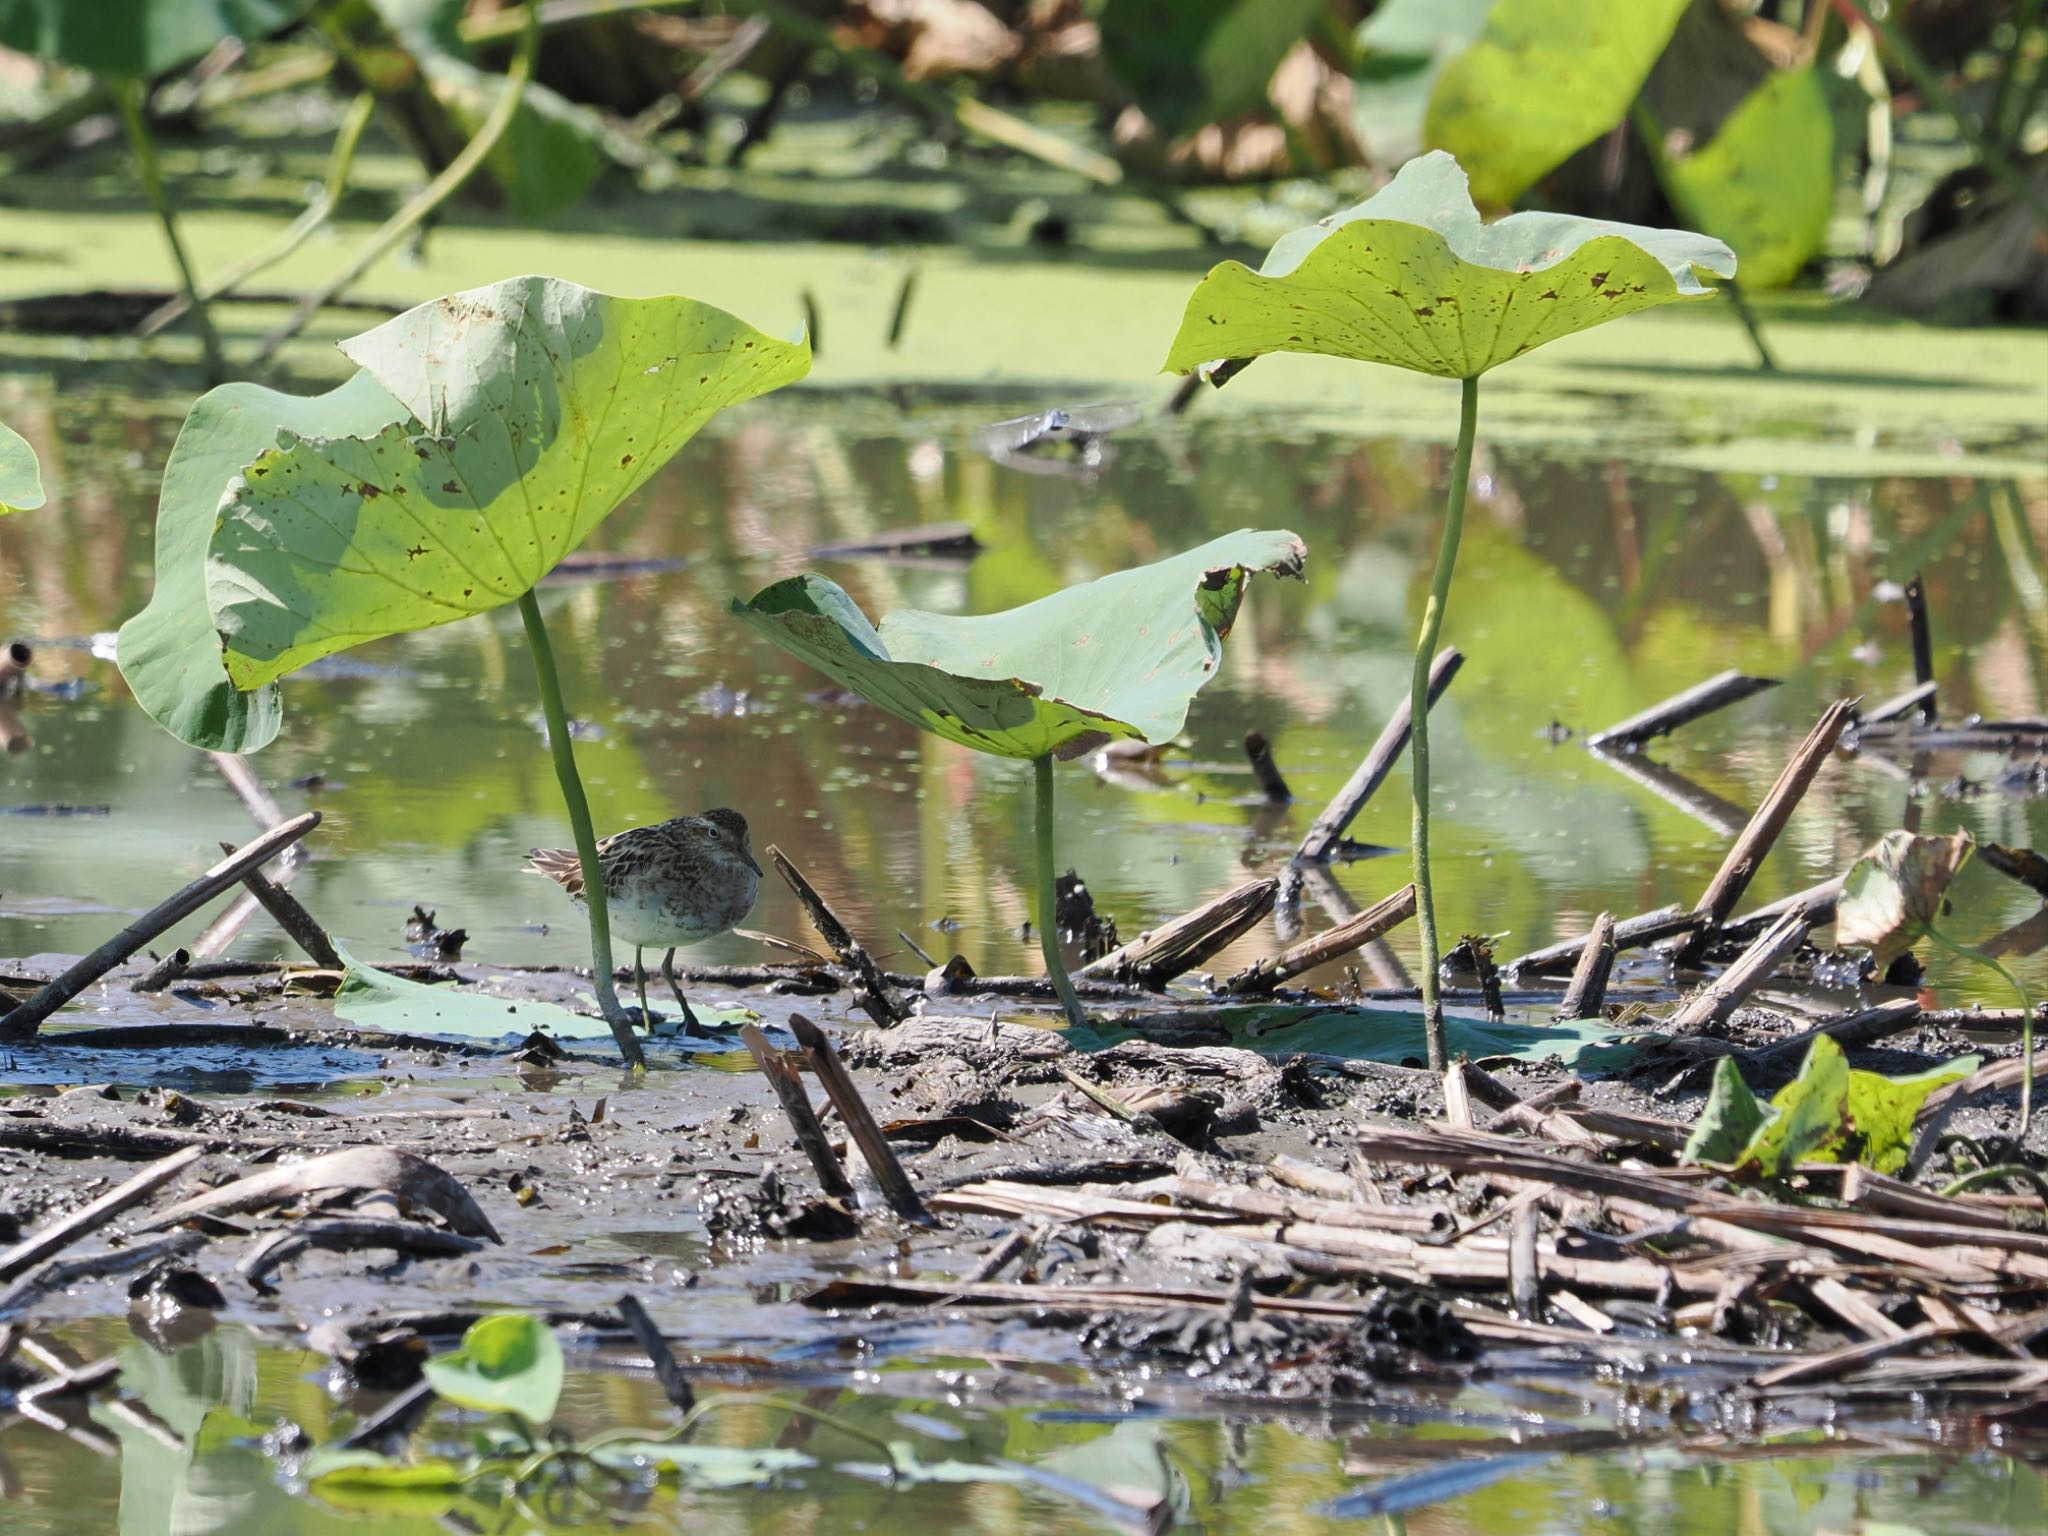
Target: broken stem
[(1418, 714), (579, 821), (128, 101), (1048, 906)]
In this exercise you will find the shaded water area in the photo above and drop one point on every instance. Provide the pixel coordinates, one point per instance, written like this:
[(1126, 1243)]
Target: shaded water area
[(1595, 580)]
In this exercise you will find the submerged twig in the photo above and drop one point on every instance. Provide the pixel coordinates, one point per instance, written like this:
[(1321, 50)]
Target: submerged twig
[(1373, 768), (873, 992), (1717, 692)]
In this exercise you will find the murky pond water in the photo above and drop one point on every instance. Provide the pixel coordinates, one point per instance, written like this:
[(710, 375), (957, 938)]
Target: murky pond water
[(1589, 587), (1488, 1464)]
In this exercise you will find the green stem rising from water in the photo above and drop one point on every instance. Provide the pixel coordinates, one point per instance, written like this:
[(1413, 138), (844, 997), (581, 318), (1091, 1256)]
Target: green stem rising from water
[(1048, 913), (579, 819), (1978, 957), (1418, 714), (129, 97)]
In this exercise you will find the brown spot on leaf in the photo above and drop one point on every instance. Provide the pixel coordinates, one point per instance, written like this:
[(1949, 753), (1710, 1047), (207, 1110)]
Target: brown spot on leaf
[(368, 491), (451, 487)]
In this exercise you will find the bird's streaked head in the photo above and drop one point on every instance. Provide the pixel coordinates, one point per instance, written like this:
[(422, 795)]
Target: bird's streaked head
[(731, 827)]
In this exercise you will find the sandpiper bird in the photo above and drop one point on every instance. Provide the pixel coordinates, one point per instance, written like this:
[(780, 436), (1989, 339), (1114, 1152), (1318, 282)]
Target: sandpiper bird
[(664, 885)]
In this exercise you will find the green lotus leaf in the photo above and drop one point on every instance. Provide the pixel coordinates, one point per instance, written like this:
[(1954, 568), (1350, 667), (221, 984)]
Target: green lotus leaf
[(1543, 79), (1411, 277), (169, 652), (1765, 182), (1808, 1113), (535, 408), (1895, 890), (1728, 1121), (21, 478), (137, 37), (1120, 656), (509, 1362)]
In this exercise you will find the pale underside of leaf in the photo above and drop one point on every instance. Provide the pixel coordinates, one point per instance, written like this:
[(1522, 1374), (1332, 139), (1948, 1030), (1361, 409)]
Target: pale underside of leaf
[(535, 408), (21, 477), (1121, 656)]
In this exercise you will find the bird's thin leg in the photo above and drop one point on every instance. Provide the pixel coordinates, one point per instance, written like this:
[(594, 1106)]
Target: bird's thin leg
[(640, 981), (668, 974)]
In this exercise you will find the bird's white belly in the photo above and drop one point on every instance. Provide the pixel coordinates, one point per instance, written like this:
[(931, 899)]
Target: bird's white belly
[(644, 920)]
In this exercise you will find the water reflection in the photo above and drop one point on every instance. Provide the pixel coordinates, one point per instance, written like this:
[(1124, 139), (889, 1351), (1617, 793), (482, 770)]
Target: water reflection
[(182, 1454), (1588, 589)]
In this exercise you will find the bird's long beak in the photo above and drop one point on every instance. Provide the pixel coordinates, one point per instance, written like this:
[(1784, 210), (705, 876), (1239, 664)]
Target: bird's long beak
[(748, 855)]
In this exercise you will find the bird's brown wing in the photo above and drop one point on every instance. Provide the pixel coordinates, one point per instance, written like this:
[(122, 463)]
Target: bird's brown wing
[(562, 865)]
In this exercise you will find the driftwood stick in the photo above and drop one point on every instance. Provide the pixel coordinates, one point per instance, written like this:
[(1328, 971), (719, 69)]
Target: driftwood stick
[(1717, 692), (1259, 753), (1912, 702), (1373, 769), (1587, 991), (1153, 959), (24, 1021), (674, 1385), (860, 1122), (54, 1275), (1750, 849), (796, 1104), (1629, 933), (1378, 955), (1816, 904), (1353, 933), (167, 970), (292, 916), (1923, 647), (874, 994), (1720, 997), (65, 1231)]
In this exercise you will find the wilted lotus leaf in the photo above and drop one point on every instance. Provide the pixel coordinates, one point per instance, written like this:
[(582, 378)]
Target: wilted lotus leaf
[(486, 434), (1411, 277), (1117, 657), (1895, 890), (21, 478)]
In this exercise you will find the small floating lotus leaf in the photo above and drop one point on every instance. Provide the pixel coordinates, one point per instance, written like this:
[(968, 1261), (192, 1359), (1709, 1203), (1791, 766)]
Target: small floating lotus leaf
[(1120, 656), (1411, 277), (21, 478), (485, 436), (508, 1363), (137, 37), (1895, 890)]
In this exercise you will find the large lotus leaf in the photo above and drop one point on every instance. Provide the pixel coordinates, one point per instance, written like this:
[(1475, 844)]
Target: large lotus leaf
[(1411, 277), (21, 478), (1402, 48), (1190, 62), (137, 37), (1120, 656), (1544, 78), (1895, 890), (1765, 182), (169, 652), (535, 408)]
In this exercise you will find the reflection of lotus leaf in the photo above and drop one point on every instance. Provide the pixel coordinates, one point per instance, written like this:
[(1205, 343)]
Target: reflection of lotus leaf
[(1117, 657), (486, 434), (1411, 277)]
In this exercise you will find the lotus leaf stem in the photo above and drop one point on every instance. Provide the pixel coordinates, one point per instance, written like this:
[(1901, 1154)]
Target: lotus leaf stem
[(128, 101), (1048, 906), (2019, 1171), (1418, 714), (1978, 957), (579, 819), (436, 192)]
